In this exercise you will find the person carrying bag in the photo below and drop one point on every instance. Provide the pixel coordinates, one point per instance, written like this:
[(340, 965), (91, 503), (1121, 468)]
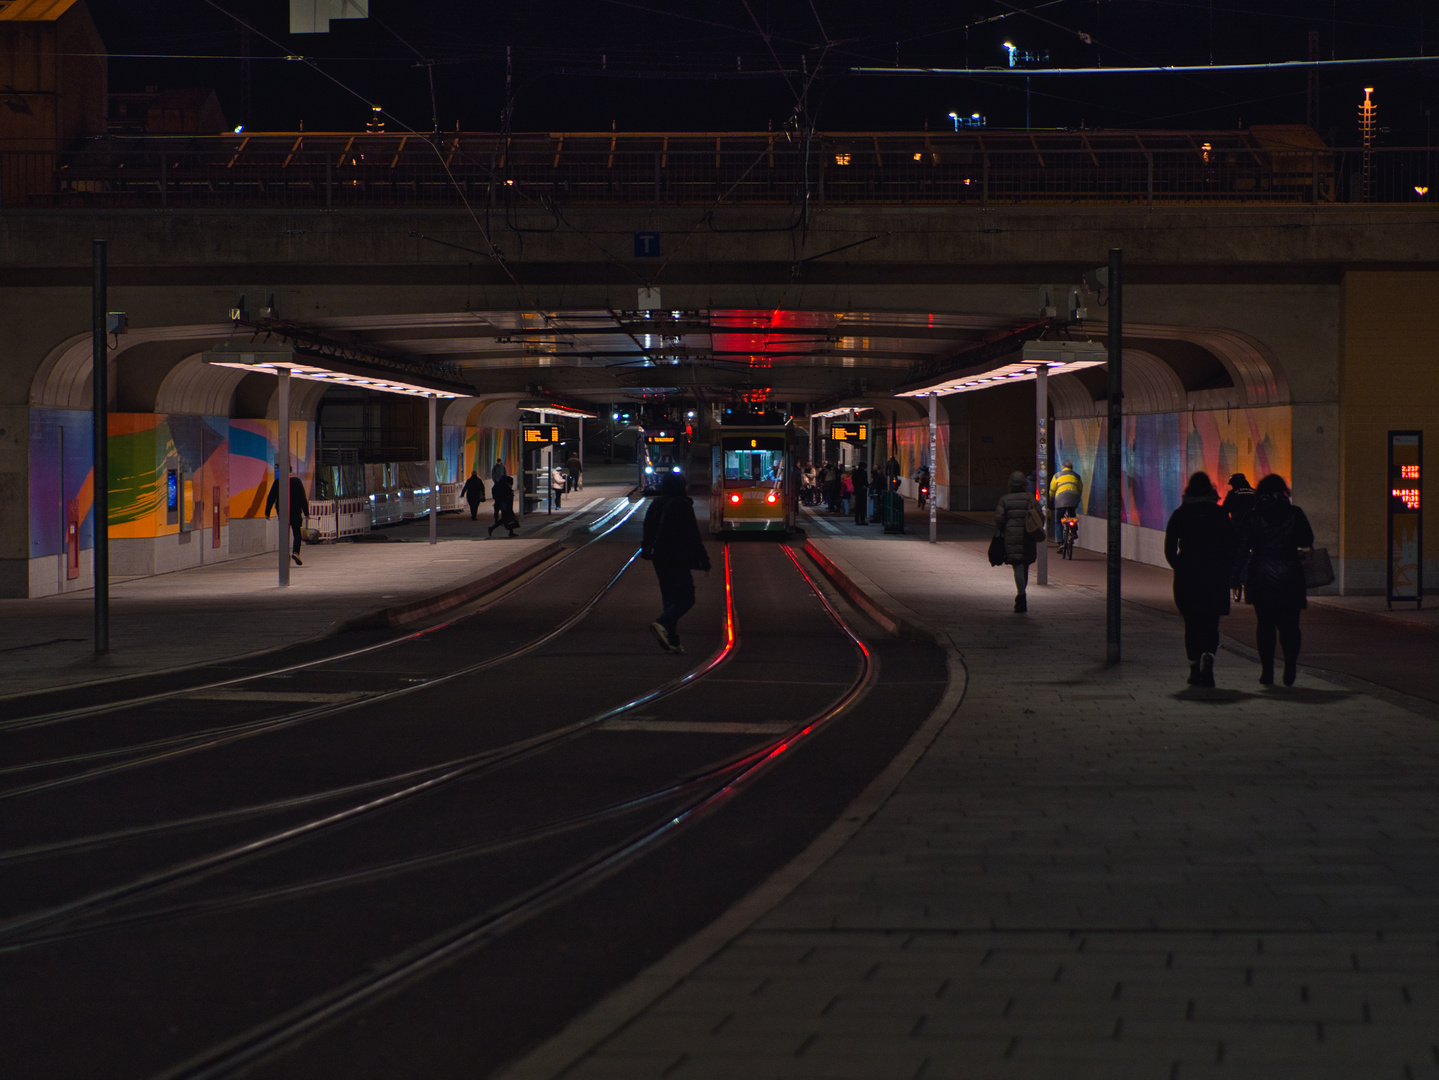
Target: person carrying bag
[(1019, 528)]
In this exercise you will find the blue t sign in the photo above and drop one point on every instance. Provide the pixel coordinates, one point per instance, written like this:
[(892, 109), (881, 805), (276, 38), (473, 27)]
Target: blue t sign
[(647, 245)]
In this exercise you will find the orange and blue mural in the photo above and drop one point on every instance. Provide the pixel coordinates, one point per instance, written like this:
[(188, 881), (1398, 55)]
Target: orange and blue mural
[(1162, 450), (61, 472), (225, 461)]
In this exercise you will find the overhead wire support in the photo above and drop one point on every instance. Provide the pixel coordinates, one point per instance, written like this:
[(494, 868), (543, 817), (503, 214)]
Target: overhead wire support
[(1178, 69)]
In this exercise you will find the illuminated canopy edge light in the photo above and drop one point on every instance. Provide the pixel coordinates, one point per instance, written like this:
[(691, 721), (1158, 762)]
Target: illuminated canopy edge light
[(558, 410), (1059, 357), (272, 360)]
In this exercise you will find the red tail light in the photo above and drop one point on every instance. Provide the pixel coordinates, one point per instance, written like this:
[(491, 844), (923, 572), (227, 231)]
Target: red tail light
[(770, 497), (734, 499)]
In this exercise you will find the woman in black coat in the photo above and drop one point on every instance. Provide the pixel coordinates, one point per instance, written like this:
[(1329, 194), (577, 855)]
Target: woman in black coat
[(1273, 533), (1021, 546), (1199, 544)]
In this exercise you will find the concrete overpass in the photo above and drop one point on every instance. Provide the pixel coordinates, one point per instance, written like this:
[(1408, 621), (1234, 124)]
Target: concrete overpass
[(1278, 334)]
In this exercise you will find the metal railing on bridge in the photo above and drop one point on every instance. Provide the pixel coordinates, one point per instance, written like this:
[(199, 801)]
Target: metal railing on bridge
[(342, 170)]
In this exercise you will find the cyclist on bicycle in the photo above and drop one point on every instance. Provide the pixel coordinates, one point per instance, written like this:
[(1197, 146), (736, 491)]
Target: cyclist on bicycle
[(1066, 491)]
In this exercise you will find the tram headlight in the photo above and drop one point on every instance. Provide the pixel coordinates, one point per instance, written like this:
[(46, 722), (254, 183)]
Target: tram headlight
[(649, 468), (675, 469)]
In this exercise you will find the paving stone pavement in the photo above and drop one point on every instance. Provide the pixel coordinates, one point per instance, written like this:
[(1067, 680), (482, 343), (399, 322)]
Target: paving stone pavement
[(1093, 871)]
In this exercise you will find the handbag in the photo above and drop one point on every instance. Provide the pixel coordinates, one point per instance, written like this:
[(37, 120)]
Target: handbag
[(1318, 570), (996, 549), (1034, 521)]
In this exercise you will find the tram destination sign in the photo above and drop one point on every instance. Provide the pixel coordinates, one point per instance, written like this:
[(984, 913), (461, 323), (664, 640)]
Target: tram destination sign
[(539, 434), (850, 432)]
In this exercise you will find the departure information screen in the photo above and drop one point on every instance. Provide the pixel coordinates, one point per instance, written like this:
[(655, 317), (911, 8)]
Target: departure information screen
[(1405, 532), (852, 432), (539, 434)]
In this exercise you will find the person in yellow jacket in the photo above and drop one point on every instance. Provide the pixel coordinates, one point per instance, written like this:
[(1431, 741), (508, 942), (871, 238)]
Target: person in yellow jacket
[(1066, 492)]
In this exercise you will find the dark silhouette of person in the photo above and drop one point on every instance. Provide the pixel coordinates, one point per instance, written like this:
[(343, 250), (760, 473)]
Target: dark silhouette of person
[(672, 543), (1011, 521), (474, 493), (860, 479), (299, 510), (1274, 531), (503, 493), (573, 468), (1199, 544), (498, 473)]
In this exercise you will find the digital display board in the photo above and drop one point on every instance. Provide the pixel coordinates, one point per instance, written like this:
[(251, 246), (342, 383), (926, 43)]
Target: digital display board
[(539, 434), (851, 432), (661, 438), (1405, 534)]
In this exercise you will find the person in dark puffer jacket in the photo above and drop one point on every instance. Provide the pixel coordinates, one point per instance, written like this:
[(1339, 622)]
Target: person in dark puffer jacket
[(1274, 531), (1020, 546), (672, 542)]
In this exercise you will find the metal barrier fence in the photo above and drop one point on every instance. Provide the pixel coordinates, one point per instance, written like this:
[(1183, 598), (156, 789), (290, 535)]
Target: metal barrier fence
[(330, 171)]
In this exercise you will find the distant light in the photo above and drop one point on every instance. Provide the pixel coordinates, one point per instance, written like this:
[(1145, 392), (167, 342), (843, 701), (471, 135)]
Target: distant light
[(1421, 190), (239, 128)]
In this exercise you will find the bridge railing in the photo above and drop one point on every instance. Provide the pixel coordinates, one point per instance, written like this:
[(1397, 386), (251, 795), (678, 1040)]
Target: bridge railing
[(337, 171)]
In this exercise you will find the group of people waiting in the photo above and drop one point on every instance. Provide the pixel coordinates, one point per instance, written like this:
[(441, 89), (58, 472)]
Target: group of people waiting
[(1247, 547), (841, 490)]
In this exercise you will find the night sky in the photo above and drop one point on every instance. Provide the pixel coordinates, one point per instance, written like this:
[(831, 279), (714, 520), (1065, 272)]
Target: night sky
[(728, 65)]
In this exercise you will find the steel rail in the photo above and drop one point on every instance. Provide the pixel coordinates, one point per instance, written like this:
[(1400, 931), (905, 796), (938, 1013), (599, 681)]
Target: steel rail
[(386, 976), (179, 745), (471, 768), (500, 594)]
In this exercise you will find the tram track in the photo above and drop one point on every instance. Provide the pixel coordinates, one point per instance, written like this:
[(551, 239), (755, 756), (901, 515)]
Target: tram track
[(608, 522), (667, 809), (717, 788), (156, 750)]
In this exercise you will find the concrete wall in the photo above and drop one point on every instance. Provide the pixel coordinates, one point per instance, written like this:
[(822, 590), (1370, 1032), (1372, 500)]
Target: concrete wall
[(1389, 381)]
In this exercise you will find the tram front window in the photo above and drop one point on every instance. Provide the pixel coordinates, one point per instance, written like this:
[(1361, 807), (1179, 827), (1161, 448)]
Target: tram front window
[(750, 461)]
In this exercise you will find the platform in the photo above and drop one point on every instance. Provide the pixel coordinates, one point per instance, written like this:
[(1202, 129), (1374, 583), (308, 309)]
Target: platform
[(1080, 870), (237, 608)]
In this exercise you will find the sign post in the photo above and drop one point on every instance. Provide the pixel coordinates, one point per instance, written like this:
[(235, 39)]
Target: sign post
[(1041, 463), (1404, 559), (1114, 477), (933, 465), (100, 358)]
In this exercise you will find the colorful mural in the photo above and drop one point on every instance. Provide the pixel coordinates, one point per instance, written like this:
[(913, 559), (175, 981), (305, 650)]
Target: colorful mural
[(61, 471), (914, 450), (1162, 450), (252, 456)]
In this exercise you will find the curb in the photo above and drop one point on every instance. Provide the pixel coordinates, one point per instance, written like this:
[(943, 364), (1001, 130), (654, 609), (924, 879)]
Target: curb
[(401, 614), (897, 625)]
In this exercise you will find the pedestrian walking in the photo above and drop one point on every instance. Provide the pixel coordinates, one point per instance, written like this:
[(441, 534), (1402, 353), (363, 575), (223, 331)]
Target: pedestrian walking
[(1199, 545), (1273, 533), (557, 485), (860, 480), (299, 511), (1236, 505), (1066, 492), (474, 493), (573, 469), (1019, 523), (497, 471), (503, 493), (672, 543)]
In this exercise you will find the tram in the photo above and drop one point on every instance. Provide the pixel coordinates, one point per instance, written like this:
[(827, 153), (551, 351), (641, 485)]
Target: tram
[(657, 452), (753, 479)]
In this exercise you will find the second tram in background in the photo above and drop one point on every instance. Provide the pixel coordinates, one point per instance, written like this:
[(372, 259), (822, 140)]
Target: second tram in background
[(658, 452), (753, 479)]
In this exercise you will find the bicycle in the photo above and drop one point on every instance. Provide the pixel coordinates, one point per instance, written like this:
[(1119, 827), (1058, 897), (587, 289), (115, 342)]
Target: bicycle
[(1068, 534)]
